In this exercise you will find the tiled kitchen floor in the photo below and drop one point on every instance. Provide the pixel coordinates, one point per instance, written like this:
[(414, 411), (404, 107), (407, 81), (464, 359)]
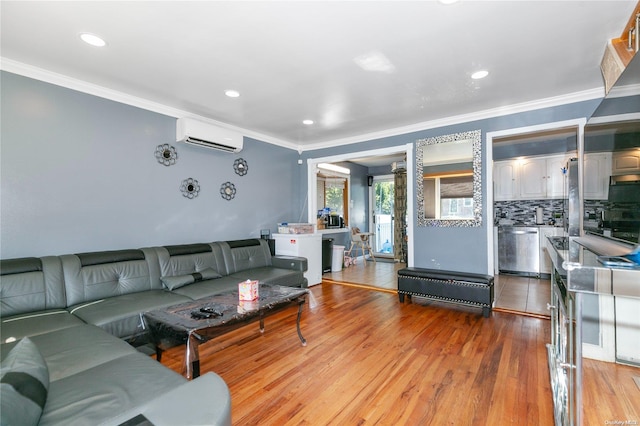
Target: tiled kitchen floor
[(522, 294)]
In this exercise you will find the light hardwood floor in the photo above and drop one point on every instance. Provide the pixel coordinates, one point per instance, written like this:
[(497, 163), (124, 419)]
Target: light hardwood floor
[(372, 360)]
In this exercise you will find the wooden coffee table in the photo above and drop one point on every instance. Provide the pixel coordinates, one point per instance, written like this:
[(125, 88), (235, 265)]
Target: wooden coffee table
[(175, 325)]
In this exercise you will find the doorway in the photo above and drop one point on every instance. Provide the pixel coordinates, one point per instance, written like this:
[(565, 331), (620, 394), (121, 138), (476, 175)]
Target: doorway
[(381, 196)]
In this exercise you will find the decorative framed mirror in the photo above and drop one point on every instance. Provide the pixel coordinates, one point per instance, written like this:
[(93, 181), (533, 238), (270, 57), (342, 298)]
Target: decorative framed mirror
[(449, 180)]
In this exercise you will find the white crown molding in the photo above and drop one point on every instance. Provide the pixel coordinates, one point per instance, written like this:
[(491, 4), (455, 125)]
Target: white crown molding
[(622, 91), (114, 95), (585, 95), (41, 74)]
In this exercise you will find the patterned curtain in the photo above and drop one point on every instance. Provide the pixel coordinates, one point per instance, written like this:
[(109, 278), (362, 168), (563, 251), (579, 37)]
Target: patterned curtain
[(400, 212)]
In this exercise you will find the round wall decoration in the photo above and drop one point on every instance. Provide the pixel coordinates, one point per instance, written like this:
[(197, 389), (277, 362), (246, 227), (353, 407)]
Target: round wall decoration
[(240, 166), (228, 191), (190, 188), (166, 154)]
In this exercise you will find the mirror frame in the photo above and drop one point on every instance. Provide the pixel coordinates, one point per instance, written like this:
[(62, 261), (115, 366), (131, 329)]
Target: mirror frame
[(476, 137)]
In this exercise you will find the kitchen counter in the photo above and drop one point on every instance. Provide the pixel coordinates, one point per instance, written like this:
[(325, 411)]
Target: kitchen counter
[(581, 305), (576, 259)]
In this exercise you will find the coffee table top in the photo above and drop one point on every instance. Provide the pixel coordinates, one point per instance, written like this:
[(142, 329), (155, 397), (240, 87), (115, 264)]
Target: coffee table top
[(232, 309)]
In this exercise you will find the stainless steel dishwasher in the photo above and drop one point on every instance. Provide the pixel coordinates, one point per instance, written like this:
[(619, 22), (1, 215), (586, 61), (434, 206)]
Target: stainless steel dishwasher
[(519, 250)]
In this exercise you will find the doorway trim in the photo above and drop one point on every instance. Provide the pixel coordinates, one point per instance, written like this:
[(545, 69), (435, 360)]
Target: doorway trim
[(407, 149), (371, 211), (578, 123)]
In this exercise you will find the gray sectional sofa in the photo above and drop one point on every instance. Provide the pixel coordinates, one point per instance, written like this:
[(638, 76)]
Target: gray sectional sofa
[(71, 326)]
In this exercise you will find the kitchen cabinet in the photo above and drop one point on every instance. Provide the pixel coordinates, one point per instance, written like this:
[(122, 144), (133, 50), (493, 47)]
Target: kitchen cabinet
[(597, 169), (627, 314), (530, 179), (505, 176), (556, 177), (533, 178), (625, 162)]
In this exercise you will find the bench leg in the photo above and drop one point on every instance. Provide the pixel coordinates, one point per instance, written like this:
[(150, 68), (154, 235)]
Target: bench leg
[(401, 297), (486, 312)]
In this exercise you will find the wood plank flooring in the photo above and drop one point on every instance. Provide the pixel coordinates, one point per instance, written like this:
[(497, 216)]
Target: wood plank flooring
[(372, 360)]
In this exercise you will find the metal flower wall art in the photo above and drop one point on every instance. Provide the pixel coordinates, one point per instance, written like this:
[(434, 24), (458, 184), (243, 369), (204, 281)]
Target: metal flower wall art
[(190, 188), (228, 191), (240, 166), (166, 154)]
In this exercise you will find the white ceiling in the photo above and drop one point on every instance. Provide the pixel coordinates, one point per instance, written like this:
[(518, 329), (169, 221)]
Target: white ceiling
[(292, 61)]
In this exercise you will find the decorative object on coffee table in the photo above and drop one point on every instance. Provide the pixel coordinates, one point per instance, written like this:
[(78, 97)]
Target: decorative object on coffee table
[(240, 166), (166, 154), (190, 188), (228, 191)]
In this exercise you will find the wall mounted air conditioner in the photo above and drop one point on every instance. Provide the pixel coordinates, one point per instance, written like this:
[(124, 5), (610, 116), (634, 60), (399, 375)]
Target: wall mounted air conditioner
[(198, 133)]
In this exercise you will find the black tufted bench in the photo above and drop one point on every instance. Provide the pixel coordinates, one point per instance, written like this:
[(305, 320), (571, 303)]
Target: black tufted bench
[(456, 287)]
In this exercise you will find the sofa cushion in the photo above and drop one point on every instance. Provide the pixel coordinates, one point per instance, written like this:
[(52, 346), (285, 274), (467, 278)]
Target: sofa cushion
[(203, 401), (208, 288), (96, 395), (241, 255), (32, 324), (31, 284), (76, 349), (189, 258), (86, 279), (271, 275), (178, 281), (122, 315), (24, 382)]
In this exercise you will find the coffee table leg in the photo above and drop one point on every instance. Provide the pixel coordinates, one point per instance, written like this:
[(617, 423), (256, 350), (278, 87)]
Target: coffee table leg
[(261, 322), (192, 357), (300, 305)]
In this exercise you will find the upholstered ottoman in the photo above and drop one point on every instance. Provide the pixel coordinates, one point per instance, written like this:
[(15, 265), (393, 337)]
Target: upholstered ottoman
[(448, 286)]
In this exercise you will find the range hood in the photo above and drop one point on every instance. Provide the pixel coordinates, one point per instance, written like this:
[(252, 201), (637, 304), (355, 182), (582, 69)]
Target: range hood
[(624, 188)]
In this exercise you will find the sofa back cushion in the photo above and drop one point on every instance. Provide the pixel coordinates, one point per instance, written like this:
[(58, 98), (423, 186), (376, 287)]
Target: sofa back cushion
[(98, 275), (31, 284), (187, 259), (241, 255)]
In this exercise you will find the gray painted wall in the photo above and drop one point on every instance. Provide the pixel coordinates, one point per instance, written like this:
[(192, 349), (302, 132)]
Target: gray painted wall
[(78, 173)]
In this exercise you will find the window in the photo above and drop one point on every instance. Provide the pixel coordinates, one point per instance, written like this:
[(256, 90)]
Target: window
[(333, 192), (449, 196)]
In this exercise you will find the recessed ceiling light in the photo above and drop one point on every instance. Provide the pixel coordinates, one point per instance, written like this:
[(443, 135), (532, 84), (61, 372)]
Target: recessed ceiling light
[(375, 61), (307, 122), (447, 1), (479, 74), (93, 40), (232, 93)]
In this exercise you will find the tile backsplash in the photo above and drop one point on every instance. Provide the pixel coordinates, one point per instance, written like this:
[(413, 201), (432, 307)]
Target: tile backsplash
[(524, 211)]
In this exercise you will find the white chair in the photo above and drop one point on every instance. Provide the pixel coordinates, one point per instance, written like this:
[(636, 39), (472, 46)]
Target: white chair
[(362, 240)]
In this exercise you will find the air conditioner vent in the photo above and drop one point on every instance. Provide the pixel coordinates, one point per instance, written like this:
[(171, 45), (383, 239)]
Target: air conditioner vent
[(207, 135)]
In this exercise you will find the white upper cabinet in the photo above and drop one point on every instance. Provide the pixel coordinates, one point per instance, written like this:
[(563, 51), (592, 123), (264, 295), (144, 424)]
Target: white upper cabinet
[(556, 176), (626, 162), (597, 169), (505, 176), (533, 178), (530, 179)]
